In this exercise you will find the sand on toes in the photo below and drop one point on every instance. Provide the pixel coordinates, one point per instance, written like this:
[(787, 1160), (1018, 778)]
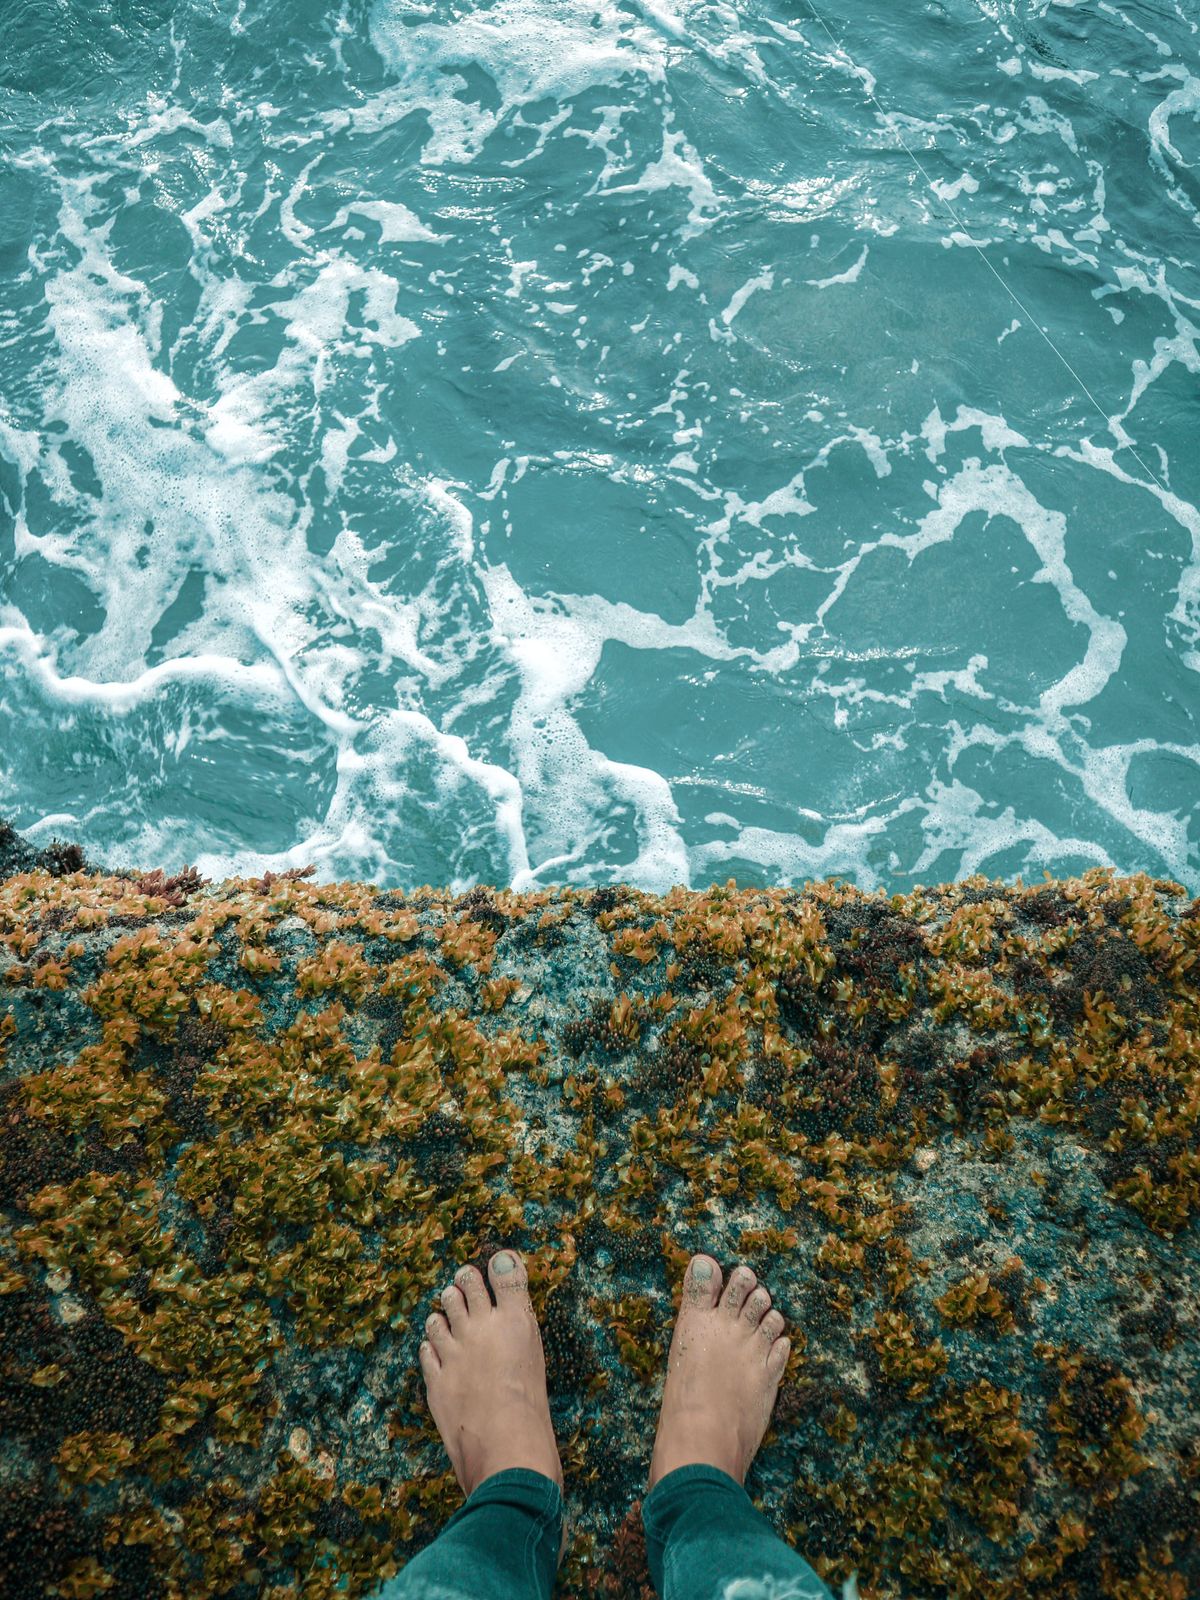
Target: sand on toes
[(726, 1359), (485, 1375)]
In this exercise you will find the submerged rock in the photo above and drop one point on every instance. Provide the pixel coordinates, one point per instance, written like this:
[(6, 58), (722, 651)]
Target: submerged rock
[(251, 1128)]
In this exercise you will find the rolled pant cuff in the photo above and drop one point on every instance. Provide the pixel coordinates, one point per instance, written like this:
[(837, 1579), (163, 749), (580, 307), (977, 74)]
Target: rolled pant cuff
[(704, 1534), (667, 1490), (523, 1489), (534, 1491)]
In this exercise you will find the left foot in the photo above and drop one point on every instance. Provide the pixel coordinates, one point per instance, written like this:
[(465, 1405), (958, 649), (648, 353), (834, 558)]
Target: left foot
[(485, 1375), (726, 1359)]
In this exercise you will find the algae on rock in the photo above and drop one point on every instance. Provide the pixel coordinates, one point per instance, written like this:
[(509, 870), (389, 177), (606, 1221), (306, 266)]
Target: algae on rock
[(251, 1128)]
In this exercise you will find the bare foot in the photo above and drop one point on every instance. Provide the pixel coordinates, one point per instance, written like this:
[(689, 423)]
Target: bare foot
[(723, 1372), (485, 1375)]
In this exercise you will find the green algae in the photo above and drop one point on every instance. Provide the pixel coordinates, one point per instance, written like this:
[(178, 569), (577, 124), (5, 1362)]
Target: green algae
[(252, 1128)]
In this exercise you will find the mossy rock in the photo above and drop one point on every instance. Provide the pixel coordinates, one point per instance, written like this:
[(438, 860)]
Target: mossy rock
[(251, 1128)]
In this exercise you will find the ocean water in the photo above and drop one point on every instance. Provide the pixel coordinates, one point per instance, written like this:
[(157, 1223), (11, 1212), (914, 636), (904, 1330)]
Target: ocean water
[(542, 441)]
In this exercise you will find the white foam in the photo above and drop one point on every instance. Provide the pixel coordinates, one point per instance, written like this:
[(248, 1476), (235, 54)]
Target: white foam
[(679, 166), (790, 859), (1036, 117), (399, 779), (163, 117), (956, 823), (840, 59), (994, 431), (964, 679), (397, 224), (255, 683), (791, 499), (951, 191), (851, 275), (531, 49), (1048, 74), (568, 787), (397, 619), (1186, 610), (272, 611), (243, 422), (997, 491), (764, 280)]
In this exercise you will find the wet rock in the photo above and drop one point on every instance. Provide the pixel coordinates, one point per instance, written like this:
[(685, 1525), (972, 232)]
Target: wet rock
[(251, 1129)]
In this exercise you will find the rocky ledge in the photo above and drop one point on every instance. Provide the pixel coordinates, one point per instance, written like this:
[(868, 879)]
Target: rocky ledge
[(250, 1128)]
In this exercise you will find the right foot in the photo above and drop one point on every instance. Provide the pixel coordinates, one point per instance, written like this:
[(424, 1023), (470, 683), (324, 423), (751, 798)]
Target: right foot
[(485, 1375), (726, 1359)]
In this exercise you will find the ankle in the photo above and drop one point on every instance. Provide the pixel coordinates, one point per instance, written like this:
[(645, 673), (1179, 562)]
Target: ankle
[(532, 1455), (686, 1450)]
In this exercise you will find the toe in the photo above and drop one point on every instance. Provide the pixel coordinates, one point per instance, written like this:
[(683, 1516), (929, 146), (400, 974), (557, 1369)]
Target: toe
[(778, 1358), (771, 1327), (437, 1332), (455, 1305), (756, 1307), (740, 1285), (703, 1282), (428, 1357), (473, 1289), (509, 1279)]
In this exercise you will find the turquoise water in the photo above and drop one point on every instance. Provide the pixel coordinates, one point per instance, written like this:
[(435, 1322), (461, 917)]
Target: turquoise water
[(556, 442)]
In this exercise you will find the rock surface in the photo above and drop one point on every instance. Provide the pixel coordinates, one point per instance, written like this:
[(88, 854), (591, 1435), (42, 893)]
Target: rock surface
[(250, 1129)]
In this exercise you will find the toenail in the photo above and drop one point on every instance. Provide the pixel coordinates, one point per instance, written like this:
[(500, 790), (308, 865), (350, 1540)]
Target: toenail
[(702, 1270), (464, 1276), (504, 1262)]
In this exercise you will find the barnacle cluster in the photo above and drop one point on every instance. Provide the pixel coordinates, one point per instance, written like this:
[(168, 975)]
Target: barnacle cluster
[(251, 1128)]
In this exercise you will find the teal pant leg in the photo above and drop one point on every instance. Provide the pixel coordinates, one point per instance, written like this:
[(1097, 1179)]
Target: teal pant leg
[(502, 1544), (705, 1541)]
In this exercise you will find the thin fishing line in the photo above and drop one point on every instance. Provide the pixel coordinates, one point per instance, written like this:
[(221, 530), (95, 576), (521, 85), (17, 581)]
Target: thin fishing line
[(988, 263)]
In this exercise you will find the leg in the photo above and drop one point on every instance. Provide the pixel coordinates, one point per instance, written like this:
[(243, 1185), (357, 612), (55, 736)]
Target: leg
[(503, 1543), (485, 1376), (704, 1539)]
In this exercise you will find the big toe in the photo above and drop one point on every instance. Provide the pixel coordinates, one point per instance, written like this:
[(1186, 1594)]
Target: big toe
[(703, 1282), (509, 1279)]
